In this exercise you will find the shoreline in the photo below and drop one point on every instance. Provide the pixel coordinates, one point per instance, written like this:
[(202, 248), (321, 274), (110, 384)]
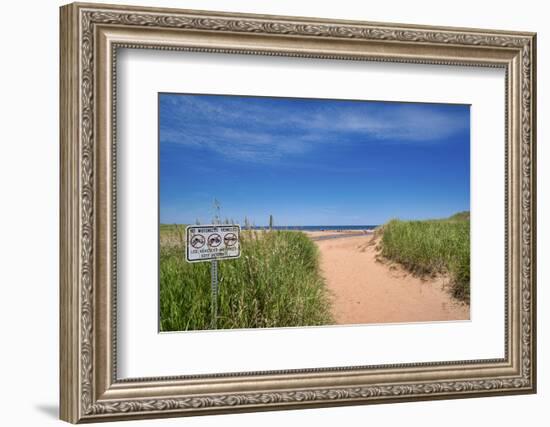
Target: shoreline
[(319, 232), (338, 233), (312, 228)]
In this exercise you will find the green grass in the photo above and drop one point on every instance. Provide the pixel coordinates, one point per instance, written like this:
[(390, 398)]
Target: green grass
[(460, 216), (433, 246), (275, 283)]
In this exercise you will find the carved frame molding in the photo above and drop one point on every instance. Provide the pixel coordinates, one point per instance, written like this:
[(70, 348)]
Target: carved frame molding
[(90, 37)]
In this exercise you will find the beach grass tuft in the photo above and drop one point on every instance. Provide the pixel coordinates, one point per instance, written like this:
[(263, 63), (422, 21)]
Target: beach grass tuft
[(431, 247), (275, 283)]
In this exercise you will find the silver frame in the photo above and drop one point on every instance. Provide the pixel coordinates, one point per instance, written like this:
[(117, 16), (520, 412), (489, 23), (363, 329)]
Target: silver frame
[(90, 37)]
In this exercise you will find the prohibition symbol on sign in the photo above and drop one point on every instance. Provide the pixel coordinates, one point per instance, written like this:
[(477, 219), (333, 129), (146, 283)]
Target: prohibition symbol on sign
[(230, 239), (214, 240), (198, 241)]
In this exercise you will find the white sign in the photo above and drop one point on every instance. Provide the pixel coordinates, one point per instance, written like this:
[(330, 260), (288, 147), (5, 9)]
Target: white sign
[(208, 242)]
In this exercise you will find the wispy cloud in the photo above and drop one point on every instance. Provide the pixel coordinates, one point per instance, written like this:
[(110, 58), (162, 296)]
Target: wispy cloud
[(406, 123), (263, 130)]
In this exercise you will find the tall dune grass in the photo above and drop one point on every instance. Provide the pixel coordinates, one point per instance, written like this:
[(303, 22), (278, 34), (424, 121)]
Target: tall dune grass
[(433, 246), (275, 283)]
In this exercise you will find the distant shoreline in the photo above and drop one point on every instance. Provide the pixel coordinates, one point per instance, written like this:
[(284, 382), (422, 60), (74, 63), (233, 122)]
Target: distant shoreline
[(335, 228)]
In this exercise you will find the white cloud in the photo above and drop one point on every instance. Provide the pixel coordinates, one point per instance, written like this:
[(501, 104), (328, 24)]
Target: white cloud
[(245, 129)]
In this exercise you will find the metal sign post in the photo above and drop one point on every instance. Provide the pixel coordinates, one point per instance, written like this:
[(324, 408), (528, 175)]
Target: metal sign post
[(214, 283), (212, 243)]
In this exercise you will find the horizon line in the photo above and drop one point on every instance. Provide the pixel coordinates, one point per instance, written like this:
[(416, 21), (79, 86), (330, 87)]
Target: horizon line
[(278, 225)]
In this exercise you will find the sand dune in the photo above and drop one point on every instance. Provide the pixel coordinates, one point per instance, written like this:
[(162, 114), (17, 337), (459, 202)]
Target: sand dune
[(365, 290)]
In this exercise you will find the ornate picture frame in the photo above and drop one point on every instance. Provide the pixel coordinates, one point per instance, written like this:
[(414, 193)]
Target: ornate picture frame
[(90, 37)]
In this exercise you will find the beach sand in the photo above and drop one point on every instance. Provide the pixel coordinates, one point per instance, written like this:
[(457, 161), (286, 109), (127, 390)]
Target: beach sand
[(366, 290), (335, 233)]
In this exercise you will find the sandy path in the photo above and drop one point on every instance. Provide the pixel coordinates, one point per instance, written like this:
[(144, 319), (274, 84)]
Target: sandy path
[(367, 291)]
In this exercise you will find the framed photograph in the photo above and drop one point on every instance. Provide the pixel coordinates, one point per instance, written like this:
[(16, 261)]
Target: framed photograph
[(266, 212)]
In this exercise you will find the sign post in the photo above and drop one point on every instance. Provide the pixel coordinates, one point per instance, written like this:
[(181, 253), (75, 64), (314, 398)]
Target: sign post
[(212, 243), (214, 284)]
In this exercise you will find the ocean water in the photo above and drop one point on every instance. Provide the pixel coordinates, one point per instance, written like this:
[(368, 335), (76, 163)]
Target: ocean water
[(317, 227)]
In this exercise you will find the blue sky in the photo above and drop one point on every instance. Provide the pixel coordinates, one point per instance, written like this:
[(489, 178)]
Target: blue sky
[(311, 161)]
